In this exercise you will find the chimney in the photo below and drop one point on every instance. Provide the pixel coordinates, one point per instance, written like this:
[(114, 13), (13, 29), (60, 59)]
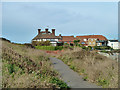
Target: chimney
[(53, 32), (46, 30), (59, 35), (39, 31)]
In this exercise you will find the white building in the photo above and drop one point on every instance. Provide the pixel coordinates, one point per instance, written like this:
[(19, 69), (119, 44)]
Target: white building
[(115, 44), (47, 36)]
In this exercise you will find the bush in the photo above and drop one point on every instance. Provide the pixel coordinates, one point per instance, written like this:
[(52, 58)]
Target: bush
[(41, 43), (102, 47), (58, 47), (104, 51), (49, 47), (83, 47), (59, 82), (103, 82), (76, 42)]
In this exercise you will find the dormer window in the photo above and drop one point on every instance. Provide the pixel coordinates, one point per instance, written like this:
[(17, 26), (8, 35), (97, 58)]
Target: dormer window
[(83, 43), (85, 39)]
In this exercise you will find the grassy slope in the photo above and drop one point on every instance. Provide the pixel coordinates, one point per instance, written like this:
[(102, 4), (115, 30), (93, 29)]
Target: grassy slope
[(94, 67), (24, 67)]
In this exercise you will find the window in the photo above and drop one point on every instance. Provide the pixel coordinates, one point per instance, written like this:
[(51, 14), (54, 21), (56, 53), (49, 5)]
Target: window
[(93, 42), (91, 39), (85, 39), (90, 43), (48, 39), (52, 39), (83, 43), (43, 33), (98, 44)]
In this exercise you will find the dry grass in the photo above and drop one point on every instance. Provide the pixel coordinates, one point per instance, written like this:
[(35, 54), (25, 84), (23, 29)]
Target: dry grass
[(93, 66), (26, 68)]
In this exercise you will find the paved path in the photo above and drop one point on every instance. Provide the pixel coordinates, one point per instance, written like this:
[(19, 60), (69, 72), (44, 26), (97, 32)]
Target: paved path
[(70, 77)]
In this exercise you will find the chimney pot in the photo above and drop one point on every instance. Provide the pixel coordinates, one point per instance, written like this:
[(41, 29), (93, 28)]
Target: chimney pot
[(46, 30), (59, 34), (39, 31), (53, 32)]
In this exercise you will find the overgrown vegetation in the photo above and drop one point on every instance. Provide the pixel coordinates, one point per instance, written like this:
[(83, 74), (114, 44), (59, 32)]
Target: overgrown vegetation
[(27, 68), (93, 66), (111, 52), (76, 42), (41, 43), (49, 47), (102, 48)]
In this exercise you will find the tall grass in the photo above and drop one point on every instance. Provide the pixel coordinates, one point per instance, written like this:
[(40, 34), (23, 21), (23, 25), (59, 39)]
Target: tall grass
[(94, 67), (26, 68)]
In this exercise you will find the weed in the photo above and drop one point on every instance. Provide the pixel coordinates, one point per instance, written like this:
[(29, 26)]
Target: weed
[(103, 82), (83, 71), (85, 78), (73, 67), (11, 68), (59, 82)]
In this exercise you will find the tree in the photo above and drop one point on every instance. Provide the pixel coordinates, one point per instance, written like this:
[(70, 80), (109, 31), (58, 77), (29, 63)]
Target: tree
[(76, 42)]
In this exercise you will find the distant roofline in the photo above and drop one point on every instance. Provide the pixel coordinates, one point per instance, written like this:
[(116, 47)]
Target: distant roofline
[(113, 40), (89, 35)]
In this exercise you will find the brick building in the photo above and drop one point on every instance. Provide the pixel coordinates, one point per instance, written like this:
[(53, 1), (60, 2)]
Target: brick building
[(88, 40), (93, 40)]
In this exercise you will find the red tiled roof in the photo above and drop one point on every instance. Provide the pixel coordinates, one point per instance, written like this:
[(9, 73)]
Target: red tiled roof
[(67, 38), (100, 37)]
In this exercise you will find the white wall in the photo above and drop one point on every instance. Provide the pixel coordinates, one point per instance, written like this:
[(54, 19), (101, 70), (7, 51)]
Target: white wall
[(54, 43), (55, 40), (114, 45)]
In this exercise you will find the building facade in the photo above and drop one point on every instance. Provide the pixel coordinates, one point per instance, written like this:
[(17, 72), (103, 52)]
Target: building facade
[(88, 40), (66, 39), (47, 36), (93, 40), (115, 44)]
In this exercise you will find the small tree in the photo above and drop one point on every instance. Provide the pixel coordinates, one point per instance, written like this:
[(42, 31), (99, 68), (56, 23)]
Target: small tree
[(76, 42)]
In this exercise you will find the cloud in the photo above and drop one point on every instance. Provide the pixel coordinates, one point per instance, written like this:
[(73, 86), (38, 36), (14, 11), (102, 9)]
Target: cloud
[(21, 20)]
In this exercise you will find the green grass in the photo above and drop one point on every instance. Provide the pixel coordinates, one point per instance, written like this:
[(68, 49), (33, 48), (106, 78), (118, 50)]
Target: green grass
[(51, 48), (59, 82), (31, 70), (103, 82)]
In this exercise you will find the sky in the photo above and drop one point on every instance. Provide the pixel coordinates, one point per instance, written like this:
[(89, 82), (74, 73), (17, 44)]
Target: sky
[(21, 20)]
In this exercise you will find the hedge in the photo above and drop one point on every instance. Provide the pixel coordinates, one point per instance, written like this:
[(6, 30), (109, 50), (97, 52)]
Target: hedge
[(49, 47), (102, 47)]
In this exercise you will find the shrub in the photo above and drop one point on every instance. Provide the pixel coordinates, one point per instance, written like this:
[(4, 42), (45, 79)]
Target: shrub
[(89, 47), (103, 82), (76, 42), (83, 47), (41, 43), (85, 78), (49, 47), (11, 68), (102, 47), (59, 82), (58, 47)]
